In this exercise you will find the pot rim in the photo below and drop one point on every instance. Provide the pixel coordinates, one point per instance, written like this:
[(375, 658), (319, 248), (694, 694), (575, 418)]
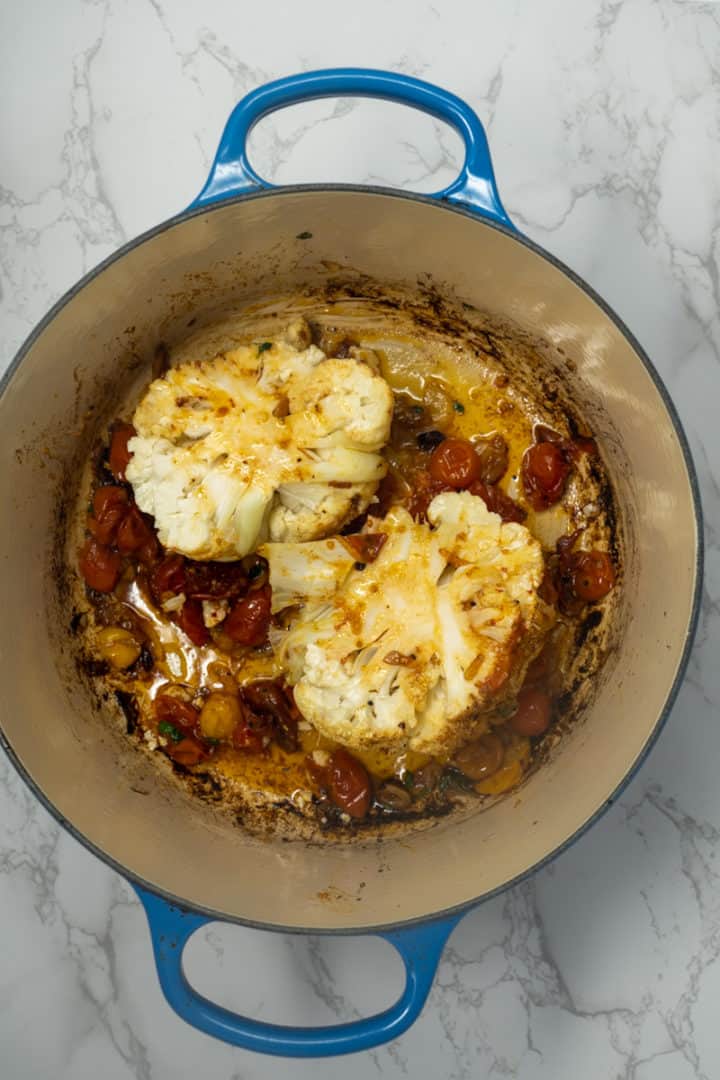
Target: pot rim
[(472, 215)]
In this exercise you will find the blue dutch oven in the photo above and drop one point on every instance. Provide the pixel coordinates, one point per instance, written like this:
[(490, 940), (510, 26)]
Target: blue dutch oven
[(239, 241)]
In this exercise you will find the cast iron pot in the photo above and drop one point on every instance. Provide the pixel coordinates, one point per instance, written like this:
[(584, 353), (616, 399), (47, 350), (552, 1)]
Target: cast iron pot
[(188, 866)]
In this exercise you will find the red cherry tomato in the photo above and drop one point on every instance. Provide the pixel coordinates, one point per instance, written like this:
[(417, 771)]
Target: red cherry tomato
[(99, 566), (425, 490), (181, 714), (544, 472), (349, 784), (187, 752), (249, 621), (272, 703), (250, 739), (109, 506), (215, 580), (533, 712), (593, 574), (190, 620), (168, 577), (119, 455), (454, 462), (133, 532)]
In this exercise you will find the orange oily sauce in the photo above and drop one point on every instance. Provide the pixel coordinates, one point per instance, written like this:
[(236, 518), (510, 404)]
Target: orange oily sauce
[(459, 397)]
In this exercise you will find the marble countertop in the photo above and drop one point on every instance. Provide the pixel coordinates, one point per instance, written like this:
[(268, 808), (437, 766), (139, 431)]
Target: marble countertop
[(603, 119)]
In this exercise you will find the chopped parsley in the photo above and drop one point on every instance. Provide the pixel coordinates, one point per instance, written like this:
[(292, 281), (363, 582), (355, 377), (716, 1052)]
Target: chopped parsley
[(304, 235), (263, 347), (166, 728), (458, 406), (408, 780)]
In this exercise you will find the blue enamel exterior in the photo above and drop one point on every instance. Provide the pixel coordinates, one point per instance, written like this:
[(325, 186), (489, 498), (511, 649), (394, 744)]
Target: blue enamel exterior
[(420, 947), (232, 174)]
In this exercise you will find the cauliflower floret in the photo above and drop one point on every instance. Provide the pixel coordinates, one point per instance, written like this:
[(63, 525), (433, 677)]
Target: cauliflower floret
[(418, 649), (340, 406), (264, 441), (310, 511), (309, 571)]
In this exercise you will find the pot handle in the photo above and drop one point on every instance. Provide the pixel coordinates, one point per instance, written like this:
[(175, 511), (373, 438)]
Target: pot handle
[(419, 946), (232, 174)]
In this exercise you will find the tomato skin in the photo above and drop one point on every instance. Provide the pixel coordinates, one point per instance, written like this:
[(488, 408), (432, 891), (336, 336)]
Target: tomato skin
[(272, 703), (593, 575), (187, 752), (498, 502), (119, 455), (190, 620), (133, 532), (190, 750), (366, 546), (455, 463), (249, 621), (349, 784), (533, 712), (168, 577), (250, 739), (110, 504), (544, 472), (99, 566), (424, 492), (214, 580), (181, 714)]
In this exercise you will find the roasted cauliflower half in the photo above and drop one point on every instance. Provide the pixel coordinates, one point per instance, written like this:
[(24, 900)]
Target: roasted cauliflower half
[(420, 648), (272, 440)]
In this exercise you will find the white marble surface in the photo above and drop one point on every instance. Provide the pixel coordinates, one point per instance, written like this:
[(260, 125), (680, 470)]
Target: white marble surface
[(604, 121)]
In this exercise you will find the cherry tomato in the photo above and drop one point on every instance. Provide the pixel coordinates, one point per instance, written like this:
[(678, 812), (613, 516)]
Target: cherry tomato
[(367, 546), (454, 462), (215, 580), (172, 710), (480, 758), (249, 620), (99, 566), (349, 784), (133, 532), (425, 490), (149, 551), (250, 739), (190, 620), (168, 577), (533, 712), (187, 752), (497, 501), (109, 506), (119, 455), (593, 574), (544, 472), (270, 700)]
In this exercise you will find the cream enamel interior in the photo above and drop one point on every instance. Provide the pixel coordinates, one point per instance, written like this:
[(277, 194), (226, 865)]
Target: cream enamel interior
[(230, 254)]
